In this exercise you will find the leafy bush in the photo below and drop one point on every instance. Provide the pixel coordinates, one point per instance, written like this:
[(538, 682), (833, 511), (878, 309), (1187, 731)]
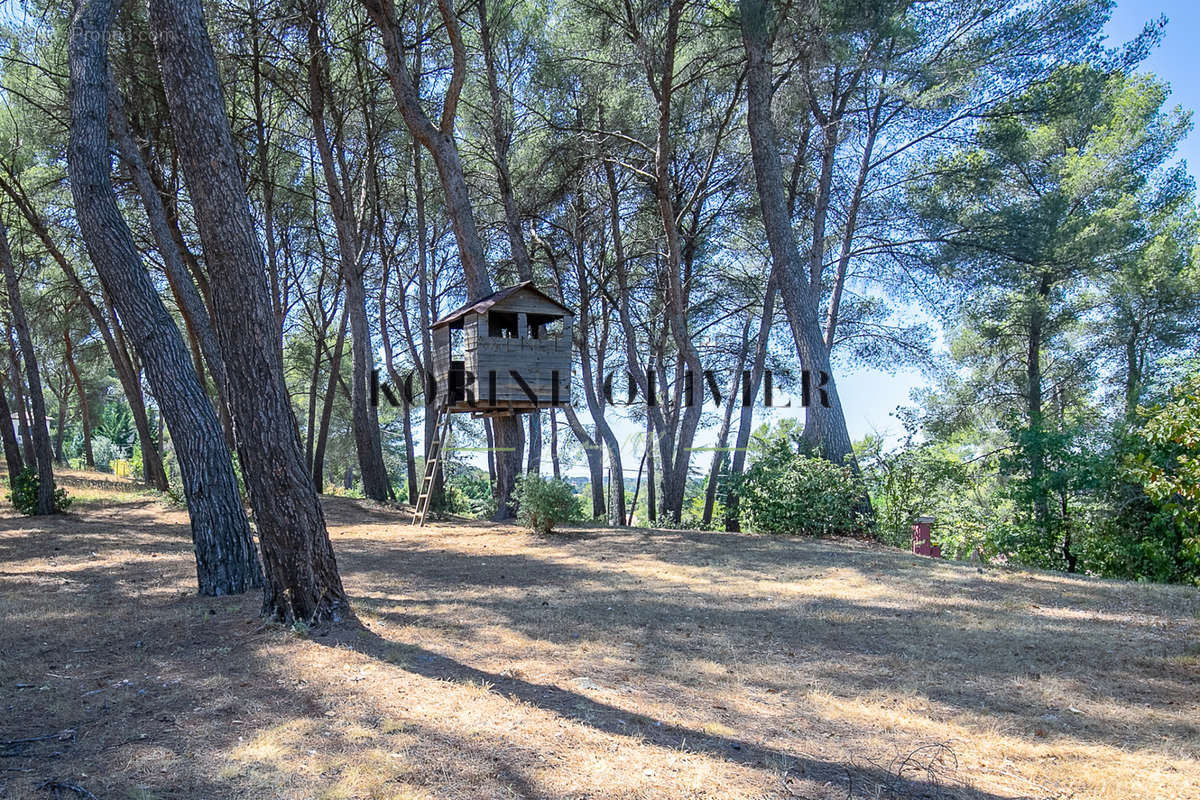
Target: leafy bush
[(545, 502), (468, 491), (784, 491), (25, 492), (106, 451), (116, 425), (946, 480)]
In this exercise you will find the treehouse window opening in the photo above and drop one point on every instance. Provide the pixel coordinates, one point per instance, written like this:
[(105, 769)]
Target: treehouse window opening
[(502, 324), (545, 326), (457, 342)]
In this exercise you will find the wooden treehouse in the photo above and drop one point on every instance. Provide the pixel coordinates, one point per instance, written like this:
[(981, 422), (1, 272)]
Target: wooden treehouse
[(507, 353)]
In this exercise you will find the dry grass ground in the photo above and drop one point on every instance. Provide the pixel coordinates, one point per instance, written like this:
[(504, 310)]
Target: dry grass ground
[(599, 664)]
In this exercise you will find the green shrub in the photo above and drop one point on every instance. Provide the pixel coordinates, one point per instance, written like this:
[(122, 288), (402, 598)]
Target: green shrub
[(784, 491), (25, 492), (105, 451), (545, 502)]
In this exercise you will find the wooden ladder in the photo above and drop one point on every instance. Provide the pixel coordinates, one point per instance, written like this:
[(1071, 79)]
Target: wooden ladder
[(433, 462)]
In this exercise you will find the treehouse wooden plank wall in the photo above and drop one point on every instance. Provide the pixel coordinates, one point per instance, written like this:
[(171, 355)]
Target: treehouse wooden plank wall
[(507, 353)]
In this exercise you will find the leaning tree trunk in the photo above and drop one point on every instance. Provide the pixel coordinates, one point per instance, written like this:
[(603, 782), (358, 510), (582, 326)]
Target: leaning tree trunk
[(824, 427), (187, 296), (226, 561), (301, 571), (42, 450), (12, 450), (366, 429)]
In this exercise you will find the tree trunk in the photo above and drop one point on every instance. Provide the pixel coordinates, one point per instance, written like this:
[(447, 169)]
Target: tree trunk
[(385, 336), (226, 561), (1033, 396), (59, 428), (302, 580), (555, 464), (595, 459), (12, 451), (637, 488), (187, 297), (746, 418), (824, 427), (43, 455), (335, 368), (262, 163), (18, 381), (675, 479), (366, 434), (510, 444), (84, 412), (720, 455), (651, 500)]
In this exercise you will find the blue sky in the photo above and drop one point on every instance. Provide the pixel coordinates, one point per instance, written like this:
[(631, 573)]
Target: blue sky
[(869, 396)]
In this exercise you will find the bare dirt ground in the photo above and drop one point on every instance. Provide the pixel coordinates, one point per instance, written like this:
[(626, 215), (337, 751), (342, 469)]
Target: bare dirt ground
[(599, 664)]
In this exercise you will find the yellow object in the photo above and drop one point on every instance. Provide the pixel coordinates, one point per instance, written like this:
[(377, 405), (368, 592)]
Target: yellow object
[(120, 467)]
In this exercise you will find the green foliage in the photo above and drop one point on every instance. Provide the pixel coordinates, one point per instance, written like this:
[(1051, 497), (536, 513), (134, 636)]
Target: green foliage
[(1170, 467), (468, 492), (25, 492), (785, 491), (946, 481), (115, 426), (138, 469), (105, 451), (545, 502)]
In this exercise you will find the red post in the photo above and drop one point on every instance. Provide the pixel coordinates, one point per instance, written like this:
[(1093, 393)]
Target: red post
[(922, 530)]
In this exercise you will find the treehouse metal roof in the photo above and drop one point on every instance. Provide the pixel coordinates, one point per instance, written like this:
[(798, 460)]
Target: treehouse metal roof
[(484, 303)]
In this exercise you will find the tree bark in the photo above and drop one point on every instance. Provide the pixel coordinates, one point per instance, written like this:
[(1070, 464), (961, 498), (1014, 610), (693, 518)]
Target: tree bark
[(226, 560), (12, 451), (302, 580), (335, 369), (824, 428), (366, 434), (510, 444), (15, 375), (84, 412), (43, 454)]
